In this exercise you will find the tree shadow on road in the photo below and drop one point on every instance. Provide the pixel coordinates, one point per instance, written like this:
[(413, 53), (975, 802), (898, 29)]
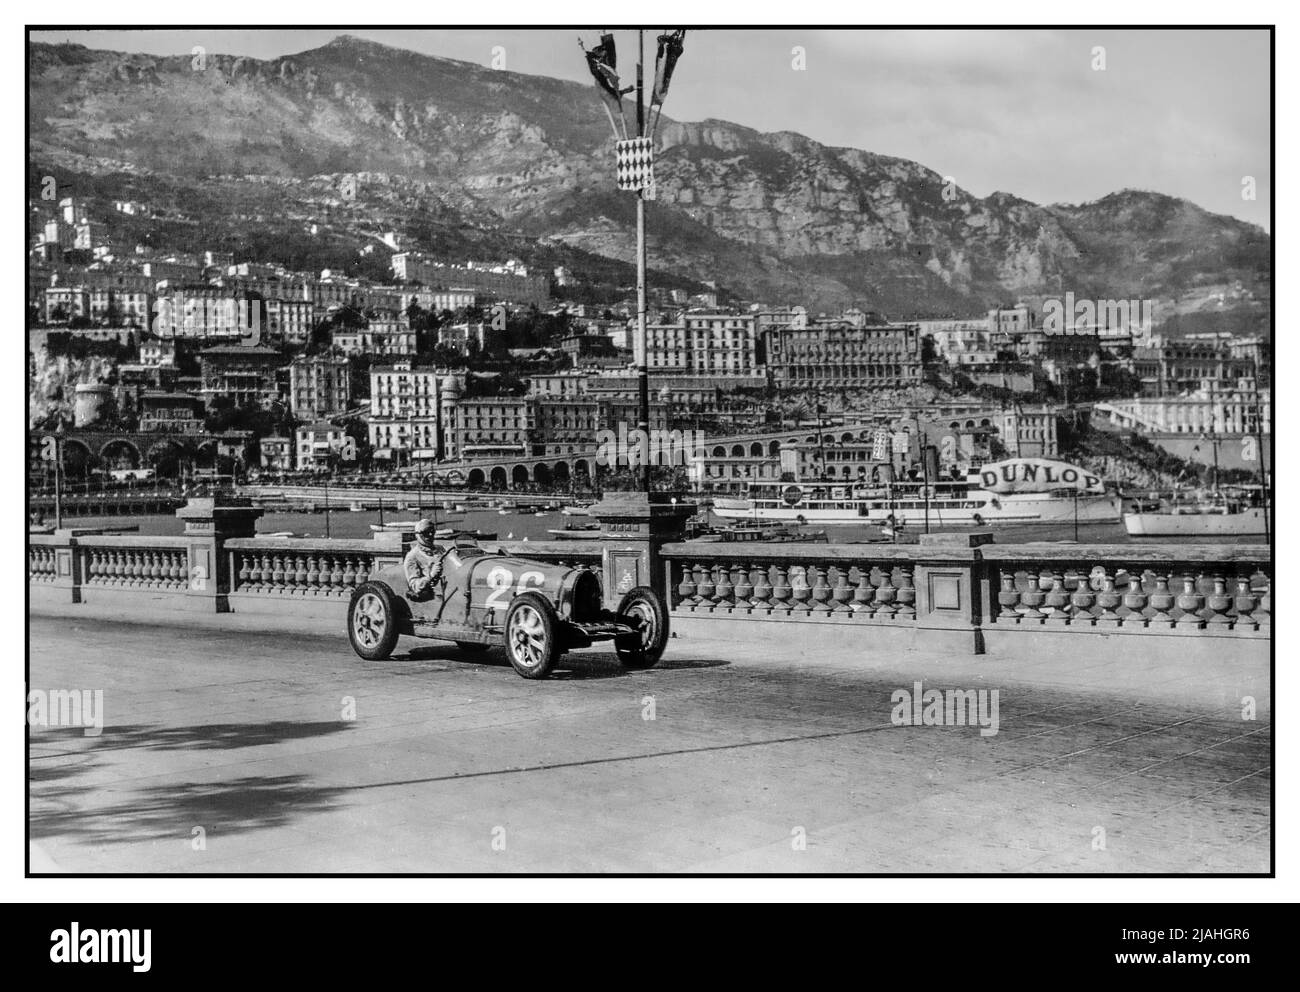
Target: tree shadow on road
[(199, 736), (173, 810), (65, 807)]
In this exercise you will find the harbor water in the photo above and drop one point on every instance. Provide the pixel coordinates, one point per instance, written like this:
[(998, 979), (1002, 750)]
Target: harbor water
[(513, 525)]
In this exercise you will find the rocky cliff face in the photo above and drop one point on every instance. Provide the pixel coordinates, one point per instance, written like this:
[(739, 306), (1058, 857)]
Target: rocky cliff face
[(767, 215)]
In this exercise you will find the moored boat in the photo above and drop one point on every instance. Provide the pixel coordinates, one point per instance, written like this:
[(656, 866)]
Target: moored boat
[(1201, 515), (1016, 491)]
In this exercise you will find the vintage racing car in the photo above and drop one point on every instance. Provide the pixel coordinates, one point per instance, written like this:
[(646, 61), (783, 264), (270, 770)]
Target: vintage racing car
[(535, 609)]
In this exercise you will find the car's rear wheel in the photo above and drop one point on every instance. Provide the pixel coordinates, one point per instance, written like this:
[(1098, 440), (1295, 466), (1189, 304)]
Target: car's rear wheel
[(644, 609), (372, 621), (532, 635)]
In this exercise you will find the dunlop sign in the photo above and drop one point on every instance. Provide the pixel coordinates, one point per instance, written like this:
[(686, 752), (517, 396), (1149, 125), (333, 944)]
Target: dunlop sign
[(1037, 475)]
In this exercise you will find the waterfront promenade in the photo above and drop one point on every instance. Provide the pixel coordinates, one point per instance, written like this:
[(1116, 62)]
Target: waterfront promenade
[(788, 763)]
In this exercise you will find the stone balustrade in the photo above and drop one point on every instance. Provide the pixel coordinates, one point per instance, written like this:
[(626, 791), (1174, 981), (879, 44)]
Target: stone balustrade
[(960, 595), (134, 567), (40, 561), (1149, 588), (300, 568), (793, 582)]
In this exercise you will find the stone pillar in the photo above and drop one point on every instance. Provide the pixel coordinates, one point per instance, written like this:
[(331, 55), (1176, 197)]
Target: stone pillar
[(951, 585), (67, 563), (209, 523), (634, 528)]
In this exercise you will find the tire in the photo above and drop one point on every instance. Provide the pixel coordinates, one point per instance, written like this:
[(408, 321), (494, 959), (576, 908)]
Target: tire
[(372, 621), (473, 647), (532, 635), (644, 649)]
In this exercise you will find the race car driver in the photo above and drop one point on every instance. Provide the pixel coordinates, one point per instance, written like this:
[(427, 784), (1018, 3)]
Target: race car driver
[(423, 564)]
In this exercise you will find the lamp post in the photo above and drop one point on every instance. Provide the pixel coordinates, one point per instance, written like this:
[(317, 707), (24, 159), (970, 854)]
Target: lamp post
[(58, 476), (636, 173)]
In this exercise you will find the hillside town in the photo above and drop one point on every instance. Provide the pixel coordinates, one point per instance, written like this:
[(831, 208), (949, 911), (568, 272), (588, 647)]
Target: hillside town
[(184, 366)]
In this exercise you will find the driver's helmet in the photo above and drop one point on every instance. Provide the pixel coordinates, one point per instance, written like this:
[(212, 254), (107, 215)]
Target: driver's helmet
[(424, 532)]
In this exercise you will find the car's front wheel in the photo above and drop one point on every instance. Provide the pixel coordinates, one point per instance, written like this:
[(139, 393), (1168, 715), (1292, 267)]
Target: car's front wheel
[(532, 635), (644, 609), (372, 621)]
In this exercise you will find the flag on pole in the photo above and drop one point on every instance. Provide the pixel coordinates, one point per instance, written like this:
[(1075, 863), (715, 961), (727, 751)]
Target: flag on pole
[(635, 163), (603, 63), (670, 50)]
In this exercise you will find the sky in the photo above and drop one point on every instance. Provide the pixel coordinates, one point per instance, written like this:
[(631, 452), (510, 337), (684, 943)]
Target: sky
[(1050, 115)]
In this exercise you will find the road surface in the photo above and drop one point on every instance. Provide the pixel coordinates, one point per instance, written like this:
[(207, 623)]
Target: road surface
[(234, 750)]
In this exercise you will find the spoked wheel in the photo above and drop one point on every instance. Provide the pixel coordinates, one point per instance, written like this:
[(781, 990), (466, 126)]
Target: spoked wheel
[(644, 609), (372, 621), (532, 635)]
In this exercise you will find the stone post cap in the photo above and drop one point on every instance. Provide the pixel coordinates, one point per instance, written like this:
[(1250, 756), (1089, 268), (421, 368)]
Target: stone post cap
[(956, 539)]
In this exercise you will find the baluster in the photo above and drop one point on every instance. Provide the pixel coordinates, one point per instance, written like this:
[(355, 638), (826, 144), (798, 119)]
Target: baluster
[(906, 595), (1263, 614), (1008, 597), (762, 599), (1218, 602), (349, 575), (277, 573), (743, 580), (253, 583), (1243, 602), (300, 575), (313, 576), (243, 576), (800, 590), (842, 592), (885, 593), (725, 589), (686, 588), (1136, 598), (336, 578), (706, 588), (821, 592), (1107, 599), (1190, 602), (781, 591), (364, 564), (1057, 599), (1161, 601), (1082, 599), (1032, 597), (863, 595), (325, 586)]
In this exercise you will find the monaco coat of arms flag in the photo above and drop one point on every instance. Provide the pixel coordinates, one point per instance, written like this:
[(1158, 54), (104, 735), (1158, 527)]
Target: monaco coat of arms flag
[(635, 163)]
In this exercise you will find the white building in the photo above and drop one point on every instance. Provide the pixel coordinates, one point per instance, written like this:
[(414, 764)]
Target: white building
[(703, 343), (403, 411), (314, 443)]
